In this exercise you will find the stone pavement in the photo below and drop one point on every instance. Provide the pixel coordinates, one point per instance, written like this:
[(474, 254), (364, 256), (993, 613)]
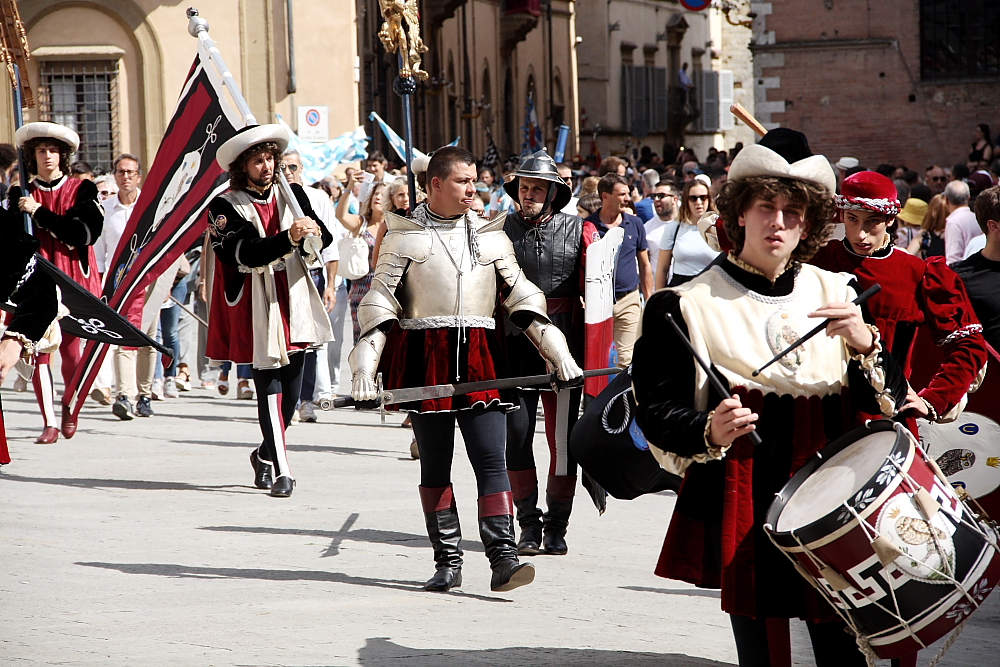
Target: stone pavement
[(145, 543)]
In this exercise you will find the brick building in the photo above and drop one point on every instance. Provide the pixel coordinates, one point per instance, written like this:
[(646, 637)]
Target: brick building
[(901, 81)]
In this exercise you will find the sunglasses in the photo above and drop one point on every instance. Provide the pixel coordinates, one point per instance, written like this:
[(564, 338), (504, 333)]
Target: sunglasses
[(698, 198), (290, 167), (106, 193), (127, 173), (664, 195)]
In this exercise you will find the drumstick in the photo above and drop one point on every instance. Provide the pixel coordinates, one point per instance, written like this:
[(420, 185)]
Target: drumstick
[(712, 377), (744, 115), (864, 296)]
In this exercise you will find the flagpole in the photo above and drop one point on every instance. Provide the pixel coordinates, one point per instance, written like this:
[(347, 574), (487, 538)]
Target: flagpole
[(22, 169), (198, 28), (405, 87)]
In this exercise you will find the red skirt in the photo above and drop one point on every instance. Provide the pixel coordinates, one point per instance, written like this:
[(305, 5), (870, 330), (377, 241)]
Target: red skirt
[(422, 357), (230, 323)]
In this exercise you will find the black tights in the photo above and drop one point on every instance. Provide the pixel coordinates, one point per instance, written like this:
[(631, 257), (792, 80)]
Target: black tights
[(277, 398), (832, 646), (484, 432)]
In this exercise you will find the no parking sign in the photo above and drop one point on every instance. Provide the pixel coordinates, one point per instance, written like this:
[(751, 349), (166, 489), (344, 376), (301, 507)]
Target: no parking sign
[(314, 123)]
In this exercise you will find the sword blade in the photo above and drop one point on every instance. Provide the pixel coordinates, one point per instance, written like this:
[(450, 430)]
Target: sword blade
[(395, 396)]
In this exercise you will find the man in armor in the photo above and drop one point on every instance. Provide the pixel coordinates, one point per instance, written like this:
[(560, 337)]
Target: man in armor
[(430, 319), (550, 248)]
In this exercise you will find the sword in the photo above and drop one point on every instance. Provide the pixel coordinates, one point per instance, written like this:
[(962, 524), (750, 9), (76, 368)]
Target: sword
[(393, 396)]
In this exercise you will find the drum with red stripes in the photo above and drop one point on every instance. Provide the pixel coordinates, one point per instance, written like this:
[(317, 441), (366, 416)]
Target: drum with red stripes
[(880, 532)]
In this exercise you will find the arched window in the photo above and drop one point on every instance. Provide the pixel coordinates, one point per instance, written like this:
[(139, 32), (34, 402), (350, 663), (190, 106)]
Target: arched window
[(511, 145), (558, 106)]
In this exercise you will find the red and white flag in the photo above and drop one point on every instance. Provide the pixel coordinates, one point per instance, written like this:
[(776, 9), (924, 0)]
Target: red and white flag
[(170, 214), (598, 317)]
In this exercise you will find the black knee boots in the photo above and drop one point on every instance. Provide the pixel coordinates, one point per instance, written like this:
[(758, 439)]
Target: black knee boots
[(559, 499), (496, 529), (524, 487), (441, 517)]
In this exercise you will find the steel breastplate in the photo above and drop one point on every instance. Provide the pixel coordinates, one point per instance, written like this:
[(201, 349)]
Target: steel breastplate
[(549, 254), (429, 292)]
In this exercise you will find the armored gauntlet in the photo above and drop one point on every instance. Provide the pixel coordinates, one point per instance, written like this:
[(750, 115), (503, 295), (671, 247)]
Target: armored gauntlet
[(551, 344)]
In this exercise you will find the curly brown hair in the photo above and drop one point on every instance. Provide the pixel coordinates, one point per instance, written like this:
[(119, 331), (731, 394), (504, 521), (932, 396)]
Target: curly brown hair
[(238, 179), (28, 150), (737, 196)]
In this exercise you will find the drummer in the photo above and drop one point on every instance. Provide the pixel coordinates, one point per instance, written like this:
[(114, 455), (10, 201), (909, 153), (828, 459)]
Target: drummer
[(777, 209)]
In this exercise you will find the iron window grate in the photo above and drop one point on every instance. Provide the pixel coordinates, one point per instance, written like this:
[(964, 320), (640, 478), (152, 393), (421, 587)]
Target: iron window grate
[(958, 39), (83, 95)]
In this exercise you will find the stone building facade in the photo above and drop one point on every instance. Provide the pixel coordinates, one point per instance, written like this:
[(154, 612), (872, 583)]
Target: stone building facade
[(484, 59), (114, 68), (630, 56), (901, 82)]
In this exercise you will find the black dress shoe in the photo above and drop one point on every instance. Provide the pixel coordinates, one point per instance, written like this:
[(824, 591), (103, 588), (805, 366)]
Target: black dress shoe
[(444, 580), (282, 487), (261, 472)]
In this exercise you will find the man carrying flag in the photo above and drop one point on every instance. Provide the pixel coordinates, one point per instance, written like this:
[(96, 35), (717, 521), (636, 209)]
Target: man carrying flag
[(68, 220), (169, 215), (266, 309)]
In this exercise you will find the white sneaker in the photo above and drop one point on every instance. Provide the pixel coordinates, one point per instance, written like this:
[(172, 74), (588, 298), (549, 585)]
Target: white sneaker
[(307, 413), (170, 388), (157, 389), (295, 417), (182, 385)]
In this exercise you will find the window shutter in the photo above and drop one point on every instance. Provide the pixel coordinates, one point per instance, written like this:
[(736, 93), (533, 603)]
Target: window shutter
[(659, 120), (641, 104), (726, 99), (628, 97), (710, 101)]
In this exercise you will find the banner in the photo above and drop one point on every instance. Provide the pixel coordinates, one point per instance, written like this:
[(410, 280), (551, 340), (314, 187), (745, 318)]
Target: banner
[(170, 214), (318, 160), (532, 130), (396, 141)]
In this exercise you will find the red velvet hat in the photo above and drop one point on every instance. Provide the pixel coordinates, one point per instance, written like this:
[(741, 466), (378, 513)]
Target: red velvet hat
[(868, 191)]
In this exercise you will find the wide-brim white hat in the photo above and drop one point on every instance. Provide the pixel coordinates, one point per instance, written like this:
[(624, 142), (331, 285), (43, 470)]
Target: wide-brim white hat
[(45, 130), (248, 137), (757, 160)]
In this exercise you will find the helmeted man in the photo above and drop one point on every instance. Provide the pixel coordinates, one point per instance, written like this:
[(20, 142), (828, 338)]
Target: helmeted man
[(68, 220), (549, 246), (266, 310), (430, 319)]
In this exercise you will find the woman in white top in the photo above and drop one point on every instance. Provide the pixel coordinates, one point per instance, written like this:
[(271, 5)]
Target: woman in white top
[(683, 252)]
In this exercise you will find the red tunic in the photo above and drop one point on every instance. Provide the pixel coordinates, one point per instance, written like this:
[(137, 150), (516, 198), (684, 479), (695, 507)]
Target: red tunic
[(915, 293), (231, 324), (79, 263)]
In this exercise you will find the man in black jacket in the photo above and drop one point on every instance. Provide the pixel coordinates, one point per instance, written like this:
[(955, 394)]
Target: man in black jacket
[(549, 246)]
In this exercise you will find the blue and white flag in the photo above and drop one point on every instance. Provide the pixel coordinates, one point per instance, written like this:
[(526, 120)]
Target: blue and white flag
[(532, 130), (318, 160), (396, 141)]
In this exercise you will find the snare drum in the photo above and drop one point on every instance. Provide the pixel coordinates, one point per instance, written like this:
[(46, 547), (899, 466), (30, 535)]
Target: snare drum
[(872, 523)]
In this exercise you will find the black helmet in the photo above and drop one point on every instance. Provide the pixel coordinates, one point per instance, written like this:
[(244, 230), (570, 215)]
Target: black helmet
[(539, 165)]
